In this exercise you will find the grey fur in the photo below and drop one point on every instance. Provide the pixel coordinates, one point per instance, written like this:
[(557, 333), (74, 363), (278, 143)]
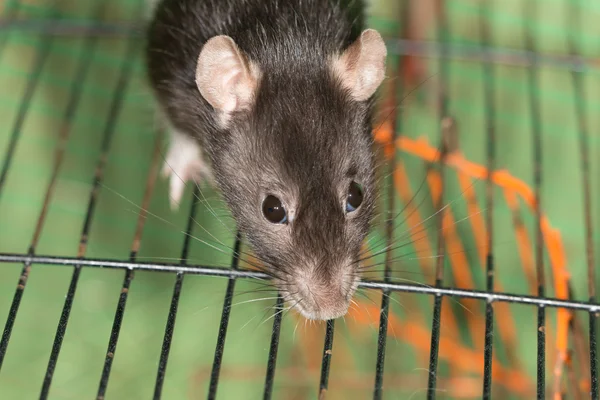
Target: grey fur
[(304, 140)]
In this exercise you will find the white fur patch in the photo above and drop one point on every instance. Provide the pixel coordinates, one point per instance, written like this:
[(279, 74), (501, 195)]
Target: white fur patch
[(184, 162)]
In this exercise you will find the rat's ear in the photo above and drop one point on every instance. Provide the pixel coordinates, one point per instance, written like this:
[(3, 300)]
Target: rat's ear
[(361, 68), (224, 76)]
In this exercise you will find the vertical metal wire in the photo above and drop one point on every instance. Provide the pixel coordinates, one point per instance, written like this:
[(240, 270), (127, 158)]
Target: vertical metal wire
[(129, 274), (442, 33), (488, 78), (114, 334), (581, 115), (326, 362), (273, 349), (37, 67), (170, 327), (42, 53), (534, 108), (580, 108), (76, 90), (385, 298), (119, 94), (395, 87), (216, 368), (593, 354), (43, 50)]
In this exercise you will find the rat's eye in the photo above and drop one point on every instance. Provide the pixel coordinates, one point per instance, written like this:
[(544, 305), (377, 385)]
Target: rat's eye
[(273, 210), (355, 197)]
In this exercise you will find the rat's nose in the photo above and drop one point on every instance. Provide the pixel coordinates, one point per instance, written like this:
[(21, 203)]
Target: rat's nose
[(323, 306), (323, 299)]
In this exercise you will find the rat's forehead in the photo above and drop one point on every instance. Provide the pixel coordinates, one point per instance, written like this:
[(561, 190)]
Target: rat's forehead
[(312, 93)]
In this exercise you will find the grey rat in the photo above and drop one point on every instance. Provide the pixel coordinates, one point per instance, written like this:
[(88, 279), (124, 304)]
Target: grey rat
[(272, 100)]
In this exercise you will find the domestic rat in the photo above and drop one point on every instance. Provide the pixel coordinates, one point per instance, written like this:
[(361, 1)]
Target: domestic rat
[(272, 100)]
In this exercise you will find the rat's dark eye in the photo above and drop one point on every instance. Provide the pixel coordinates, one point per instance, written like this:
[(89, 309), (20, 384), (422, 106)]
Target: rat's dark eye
[(273, 210), (355, 197)]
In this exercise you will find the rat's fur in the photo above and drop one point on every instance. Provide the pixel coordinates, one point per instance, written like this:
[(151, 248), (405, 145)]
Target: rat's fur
[(303, 140)]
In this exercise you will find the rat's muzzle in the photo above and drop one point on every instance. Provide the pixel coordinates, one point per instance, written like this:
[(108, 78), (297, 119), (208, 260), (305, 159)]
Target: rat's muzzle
[(323, 296)]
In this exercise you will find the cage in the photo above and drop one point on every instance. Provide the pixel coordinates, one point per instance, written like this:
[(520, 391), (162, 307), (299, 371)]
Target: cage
[(482, 280)]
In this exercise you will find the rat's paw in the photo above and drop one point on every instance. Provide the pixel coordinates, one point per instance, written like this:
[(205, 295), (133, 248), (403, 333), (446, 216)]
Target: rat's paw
[(184, 163)]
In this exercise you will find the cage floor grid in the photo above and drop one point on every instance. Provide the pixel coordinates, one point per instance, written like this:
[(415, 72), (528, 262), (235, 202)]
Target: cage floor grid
[(482, 270)]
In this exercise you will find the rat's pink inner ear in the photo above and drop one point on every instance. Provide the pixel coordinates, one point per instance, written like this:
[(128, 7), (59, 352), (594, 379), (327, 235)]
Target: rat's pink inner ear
[(361, 68), (225, 77)]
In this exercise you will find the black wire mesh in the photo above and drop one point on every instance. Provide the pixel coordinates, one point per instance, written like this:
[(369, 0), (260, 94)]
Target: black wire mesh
[(438, 291)]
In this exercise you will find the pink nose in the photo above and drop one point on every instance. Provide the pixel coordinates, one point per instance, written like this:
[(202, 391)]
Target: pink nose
[(324, 313), (323, 302)]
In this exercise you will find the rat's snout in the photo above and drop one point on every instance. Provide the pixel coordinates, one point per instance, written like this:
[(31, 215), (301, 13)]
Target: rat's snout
[(322, 295)]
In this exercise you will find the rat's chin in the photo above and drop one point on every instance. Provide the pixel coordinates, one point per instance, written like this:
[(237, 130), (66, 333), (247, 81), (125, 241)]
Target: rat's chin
[(324, 310), (323, 314)]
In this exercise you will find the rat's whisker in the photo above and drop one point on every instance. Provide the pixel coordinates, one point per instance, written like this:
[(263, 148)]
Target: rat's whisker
[(247, 323), (424, 390), (276, 314), (406, 257), (412, 199), (427, 286), (194, 194), (361, 292), (391, 270), (388, 295), (253, 301), (403, 234), (448, 226), (410, 92), (423, 237), (294, 334), (165, 221)]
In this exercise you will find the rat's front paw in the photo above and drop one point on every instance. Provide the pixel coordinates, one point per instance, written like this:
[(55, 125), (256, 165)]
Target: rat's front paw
[(184, 163)]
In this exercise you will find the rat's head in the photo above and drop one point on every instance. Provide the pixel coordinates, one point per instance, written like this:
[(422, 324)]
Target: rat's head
[(295, 162)]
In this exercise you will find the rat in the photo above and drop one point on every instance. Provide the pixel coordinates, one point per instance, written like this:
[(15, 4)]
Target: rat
[(272, 102)]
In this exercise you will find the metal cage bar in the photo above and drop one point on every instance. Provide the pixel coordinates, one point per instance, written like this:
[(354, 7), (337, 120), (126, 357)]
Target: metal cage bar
[(216, 368), (584, 134), (442, 34), (247, 274), (536, 130), (119, 94), (273, 348), (489, 296), (396, 87), (76, 91), (327, 354), (37, 66), (488, 76), (170, 327), (129, 274), (42, 53)]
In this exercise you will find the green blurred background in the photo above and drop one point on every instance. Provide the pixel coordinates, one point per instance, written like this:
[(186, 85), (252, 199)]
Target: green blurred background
[(114, 222)]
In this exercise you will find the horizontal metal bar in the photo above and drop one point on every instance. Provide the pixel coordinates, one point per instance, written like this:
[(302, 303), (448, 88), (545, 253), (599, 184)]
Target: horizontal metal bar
[(368, 284), (73, 27), (469, 52), (488, 54), (481, 295), (115, 264)]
